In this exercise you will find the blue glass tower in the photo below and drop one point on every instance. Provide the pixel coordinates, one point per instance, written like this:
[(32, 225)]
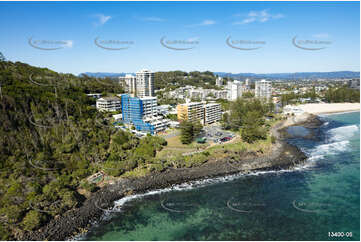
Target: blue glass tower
[(132, 111)]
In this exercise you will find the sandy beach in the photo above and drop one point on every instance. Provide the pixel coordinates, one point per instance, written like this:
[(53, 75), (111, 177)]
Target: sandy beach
[(324, 108)]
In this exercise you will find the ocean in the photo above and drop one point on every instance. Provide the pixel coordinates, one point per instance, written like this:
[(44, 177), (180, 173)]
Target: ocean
[(319, 200)]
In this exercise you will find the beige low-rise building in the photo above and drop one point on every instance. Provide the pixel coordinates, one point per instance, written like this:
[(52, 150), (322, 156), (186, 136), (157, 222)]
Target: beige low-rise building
[(109, 104), (205, 113), (190, 111)]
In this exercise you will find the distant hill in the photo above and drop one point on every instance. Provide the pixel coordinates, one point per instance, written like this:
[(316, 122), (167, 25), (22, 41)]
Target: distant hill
[(296, 75), (104, 74)]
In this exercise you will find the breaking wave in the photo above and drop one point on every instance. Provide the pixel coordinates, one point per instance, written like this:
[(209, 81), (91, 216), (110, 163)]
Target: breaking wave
[(337, 141), (343, 133)]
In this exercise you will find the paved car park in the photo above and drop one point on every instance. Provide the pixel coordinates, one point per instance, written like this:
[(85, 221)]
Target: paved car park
[(216, 134)]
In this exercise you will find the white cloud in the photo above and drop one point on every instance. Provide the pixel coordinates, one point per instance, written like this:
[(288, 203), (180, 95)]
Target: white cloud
[(206, 22), (68, 43), (258, 16), (102, 19)]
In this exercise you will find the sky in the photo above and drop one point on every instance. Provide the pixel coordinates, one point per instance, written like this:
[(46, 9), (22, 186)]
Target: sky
[(237, 37)]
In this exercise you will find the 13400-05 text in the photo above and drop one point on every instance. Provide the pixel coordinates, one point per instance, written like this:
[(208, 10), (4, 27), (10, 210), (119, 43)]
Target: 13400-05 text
[(340, 234)]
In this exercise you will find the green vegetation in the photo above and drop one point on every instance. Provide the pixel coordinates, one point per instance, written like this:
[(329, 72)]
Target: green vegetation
[(252, 128), (249, 117), (292, 98), (342, 94), (172, 117), (337, 94), (175, 79), (32, 220), (189, 130), (225, 104), (248, 95), (52, 139)]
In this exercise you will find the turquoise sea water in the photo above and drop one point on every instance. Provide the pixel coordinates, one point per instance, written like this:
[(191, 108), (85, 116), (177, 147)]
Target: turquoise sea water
[(303, 204)]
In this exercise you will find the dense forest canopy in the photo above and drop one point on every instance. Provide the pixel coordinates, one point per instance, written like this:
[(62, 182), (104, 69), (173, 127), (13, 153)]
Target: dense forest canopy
[(174, 79), (51, 138)]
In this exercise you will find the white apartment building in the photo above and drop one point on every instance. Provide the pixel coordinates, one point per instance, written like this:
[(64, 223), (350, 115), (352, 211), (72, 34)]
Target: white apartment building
[(164, 109), (159, 123), (235, 90), (247, 84), (109, 104), (149, 106), (145, 83), (221, 94), (263, 89), (94, 95), (219, 81), (203, 94), (212, 113), (130, 83), (354, 83)]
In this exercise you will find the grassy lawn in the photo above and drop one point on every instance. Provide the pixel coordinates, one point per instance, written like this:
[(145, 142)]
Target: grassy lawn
[(260, 145), (175, 147), (168, 131), (137, 172)]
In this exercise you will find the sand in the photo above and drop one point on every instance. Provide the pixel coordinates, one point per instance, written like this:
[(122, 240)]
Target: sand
[(324, 108)]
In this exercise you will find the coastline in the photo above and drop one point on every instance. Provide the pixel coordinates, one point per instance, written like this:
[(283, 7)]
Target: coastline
[(338, 112), (329, 108), (78, 220)]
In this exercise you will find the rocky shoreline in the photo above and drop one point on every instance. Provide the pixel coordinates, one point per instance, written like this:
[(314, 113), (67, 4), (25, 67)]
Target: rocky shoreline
[(76, 221)]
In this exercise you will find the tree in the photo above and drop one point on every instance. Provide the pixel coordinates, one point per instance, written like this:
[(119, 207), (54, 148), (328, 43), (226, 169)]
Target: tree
[(197, 127), (13, 213), (187, 132), (248, 94), (342, 94), (248, 115), (172, 117), (252, 129), (90, 187), (68, 199), (4, 233), (32, 220), (225, 121)]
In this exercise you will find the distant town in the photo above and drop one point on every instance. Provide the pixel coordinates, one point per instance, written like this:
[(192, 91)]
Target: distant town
[(139, 111)]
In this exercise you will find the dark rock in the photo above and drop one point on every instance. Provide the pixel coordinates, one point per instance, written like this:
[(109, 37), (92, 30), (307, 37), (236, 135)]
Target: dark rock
[(282, 156)]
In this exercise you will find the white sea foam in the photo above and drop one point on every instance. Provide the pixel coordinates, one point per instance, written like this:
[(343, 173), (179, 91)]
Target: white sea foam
[(338, 136), (330, 149), (119, 204), (343, 133), (338, 141)]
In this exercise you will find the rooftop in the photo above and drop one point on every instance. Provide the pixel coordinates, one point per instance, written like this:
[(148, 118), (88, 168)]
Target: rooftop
[(144, 71), (109, 98), (148, 98), (212, 104), (191, 103)]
